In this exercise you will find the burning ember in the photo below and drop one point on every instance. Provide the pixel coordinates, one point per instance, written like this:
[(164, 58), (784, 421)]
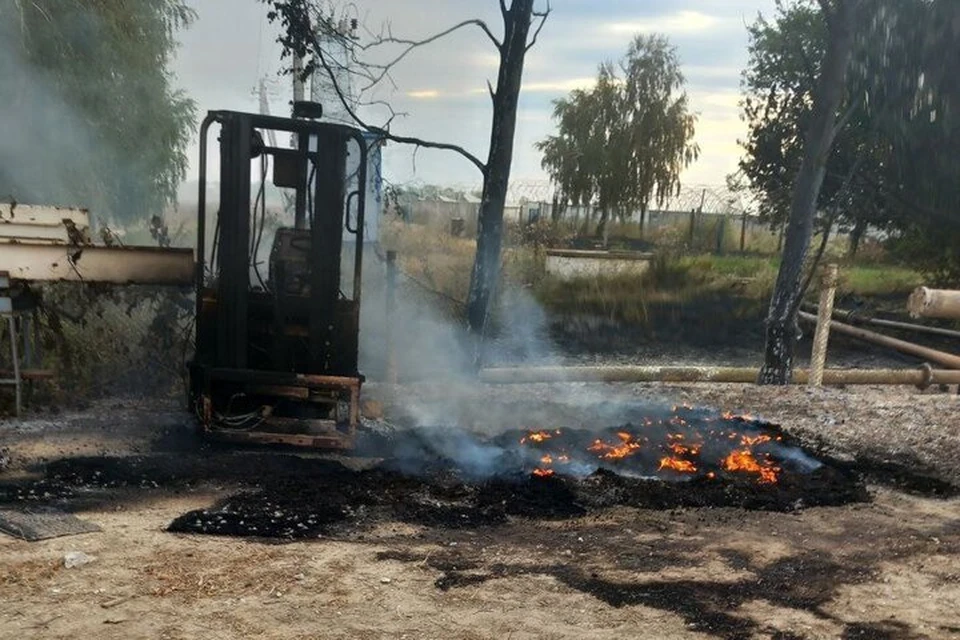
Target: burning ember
[(687, 443)]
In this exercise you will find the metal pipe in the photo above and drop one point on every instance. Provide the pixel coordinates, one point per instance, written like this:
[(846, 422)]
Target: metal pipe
[(934, 303), (921, 377), (391, 368), (941, 358), (361, 216), (202, 212), (854, 318)]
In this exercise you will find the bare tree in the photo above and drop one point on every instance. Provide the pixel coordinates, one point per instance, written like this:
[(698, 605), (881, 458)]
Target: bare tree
[(308, 24)]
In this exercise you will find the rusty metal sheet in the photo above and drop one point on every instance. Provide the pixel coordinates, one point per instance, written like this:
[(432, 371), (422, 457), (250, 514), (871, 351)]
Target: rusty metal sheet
[(117, 265), (42, 215), (38, 524), (42, 233)]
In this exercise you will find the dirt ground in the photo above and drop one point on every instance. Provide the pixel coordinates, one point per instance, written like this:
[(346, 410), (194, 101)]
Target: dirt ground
[(887, 568)]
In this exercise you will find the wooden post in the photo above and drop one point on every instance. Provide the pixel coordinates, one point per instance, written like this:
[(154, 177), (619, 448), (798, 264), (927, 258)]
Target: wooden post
[(828, 290), (934, 303), (721, 234), (391, 365), (743, 232)]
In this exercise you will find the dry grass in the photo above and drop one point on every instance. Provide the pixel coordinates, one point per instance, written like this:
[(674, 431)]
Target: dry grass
[(442, 263), (27, 577), (195, 576)]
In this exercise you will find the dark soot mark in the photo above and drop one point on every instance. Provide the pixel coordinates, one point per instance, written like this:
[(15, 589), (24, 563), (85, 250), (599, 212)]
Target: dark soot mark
[(805, 582), (346, 501), (288, 497)]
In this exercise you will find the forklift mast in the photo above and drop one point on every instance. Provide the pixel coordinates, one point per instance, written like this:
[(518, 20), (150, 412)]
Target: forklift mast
[(276, 357)]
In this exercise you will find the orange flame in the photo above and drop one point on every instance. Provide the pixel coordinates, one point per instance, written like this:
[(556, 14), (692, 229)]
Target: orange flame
[(683, 466), (615, 452), (682, 449), (543, 473), (744, 461), (729, 415), (536, 436), (747, 441)]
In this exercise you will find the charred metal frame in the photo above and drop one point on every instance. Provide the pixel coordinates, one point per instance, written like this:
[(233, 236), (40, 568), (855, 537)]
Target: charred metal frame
[(310, 364)]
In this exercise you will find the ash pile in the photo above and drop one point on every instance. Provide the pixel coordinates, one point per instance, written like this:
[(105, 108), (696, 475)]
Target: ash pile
[(451, 478)]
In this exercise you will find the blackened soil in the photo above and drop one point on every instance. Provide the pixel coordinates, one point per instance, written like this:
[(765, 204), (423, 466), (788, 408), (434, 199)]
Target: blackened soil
[(290, 497)]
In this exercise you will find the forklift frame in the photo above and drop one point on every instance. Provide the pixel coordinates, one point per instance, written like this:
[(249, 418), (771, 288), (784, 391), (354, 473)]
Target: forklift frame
[(327, 374)]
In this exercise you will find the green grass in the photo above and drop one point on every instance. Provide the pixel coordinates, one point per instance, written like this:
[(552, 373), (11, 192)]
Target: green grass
[(747, 281), (443, 264), (879, 280), (860, 279)]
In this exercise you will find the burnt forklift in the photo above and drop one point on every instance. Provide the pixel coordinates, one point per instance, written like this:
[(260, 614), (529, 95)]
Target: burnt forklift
[(276, 354)]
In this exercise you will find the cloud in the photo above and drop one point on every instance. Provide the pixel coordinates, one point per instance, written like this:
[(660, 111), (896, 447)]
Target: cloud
[(563, 85), (680, 22), (443, 86), (424, 94)]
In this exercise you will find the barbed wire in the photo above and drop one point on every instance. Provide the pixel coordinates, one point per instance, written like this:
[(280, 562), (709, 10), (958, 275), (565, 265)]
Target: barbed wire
[(715, 198)]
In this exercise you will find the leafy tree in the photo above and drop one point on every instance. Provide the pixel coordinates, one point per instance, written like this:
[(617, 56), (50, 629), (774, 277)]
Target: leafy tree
[(860, 134), (778, 85), (818, 137), (90, 115), (922, 131), (622, 144)]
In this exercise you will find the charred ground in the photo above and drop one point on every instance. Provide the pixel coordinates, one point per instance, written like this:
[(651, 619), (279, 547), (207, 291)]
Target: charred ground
[(610, 554)]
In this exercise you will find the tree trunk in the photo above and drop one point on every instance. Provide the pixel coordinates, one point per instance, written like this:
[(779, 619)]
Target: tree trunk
[(587, 221), (486, 264), (556, 210), (782, 330), (600, 233), (856, 235)]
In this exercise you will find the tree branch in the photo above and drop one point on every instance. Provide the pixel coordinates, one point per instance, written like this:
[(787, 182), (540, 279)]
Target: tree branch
[(413, 44), (834, 213), (383, 132), (503, 8), (493, 94), (543, 19), (389, 107), (845, 117)]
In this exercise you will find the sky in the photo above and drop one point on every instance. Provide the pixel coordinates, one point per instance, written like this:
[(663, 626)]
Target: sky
[(442, 87)]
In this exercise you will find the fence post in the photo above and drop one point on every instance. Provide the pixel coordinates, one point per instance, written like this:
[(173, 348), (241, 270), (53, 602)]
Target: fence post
[(743, 232), (828, 289), (391, 365), (721, 234)]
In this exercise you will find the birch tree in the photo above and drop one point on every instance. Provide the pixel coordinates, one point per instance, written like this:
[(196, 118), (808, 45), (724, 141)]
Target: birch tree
[(622, 145)]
